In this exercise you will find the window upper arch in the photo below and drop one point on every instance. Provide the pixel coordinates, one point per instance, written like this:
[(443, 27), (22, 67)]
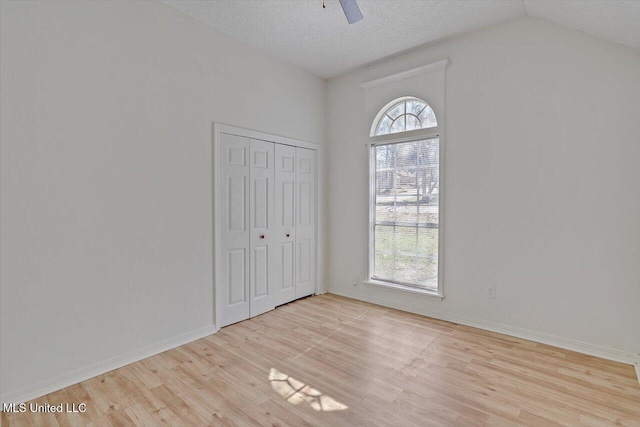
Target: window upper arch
[(404, 114)]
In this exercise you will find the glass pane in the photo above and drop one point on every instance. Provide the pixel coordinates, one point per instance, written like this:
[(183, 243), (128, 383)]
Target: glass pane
[(385, 196), (428, 118), (384, 126), (384, 247), (398, 125), (406, 195), (384, 183), (383, 266), (412, 122), (428, 257), (385, 157), (428, 180), (397, 110), (406, 155), (428, 152), (428, 242), (406, 184), (406, 240), (385, 239), (428, 213), (406, 270), (415, 107), (385, 211), (428, 273)]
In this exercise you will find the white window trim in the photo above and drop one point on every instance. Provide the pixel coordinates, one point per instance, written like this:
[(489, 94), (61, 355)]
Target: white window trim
[(396, 138), (434, 66), (405, 288)]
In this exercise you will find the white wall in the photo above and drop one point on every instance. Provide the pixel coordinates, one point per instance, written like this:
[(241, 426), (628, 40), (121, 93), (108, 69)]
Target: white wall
[(542, 198), (106, 208)]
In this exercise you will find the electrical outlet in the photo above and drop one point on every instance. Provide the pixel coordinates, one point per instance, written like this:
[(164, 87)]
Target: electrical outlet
[(356, 281), (491, 292)]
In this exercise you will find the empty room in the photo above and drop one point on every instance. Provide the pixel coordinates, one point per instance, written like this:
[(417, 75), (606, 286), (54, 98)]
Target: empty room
[(319, 213)]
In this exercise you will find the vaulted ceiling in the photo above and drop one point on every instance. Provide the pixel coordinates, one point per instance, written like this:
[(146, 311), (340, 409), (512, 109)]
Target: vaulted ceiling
[(319, 39)]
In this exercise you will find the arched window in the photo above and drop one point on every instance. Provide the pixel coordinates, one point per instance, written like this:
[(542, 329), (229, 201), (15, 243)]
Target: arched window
[(404, 217), (404, 114)]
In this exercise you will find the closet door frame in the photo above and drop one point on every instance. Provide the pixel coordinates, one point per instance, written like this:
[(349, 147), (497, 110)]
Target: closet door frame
[(218, 129)]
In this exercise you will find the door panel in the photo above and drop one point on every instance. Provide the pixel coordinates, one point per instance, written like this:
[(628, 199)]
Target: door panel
[(286, 200), (236, 277), (261, 270), (304, 260), (305, 203), (236, 202), (285, 230), (262, 224), (260, 203), (305, 222), (288, 261), (233, 166)]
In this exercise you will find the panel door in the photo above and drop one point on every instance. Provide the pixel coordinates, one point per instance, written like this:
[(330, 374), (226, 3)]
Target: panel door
[(285, 227), (233, 289), (261, 226), (305, 222)]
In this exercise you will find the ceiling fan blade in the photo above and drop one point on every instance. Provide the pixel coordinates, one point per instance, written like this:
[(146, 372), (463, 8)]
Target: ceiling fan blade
[(351, 10)]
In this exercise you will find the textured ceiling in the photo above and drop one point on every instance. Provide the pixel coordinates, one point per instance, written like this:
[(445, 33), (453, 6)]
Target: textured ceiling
[(319, 40)]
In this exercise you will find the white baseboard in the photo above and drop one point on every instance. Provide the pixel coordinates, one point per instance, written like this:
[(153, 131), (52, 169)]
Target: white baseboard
[(46, 387), (556, 341), (637, 366)]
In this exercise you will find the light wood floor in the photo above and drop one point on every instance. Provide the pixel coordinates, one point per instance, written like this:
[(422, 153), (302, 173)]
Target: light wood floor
[(333, 361)]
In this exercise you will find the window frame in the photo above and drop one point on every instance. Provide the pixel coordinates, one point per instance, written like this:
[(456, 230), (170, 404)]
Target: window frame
[(396, 138), (390, 105)]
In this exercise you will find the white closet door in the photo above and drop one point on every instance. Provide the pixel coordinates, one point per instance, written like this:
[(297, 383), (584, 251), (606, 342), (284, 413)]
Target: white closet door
[(285, 228), (305, 222), (261, 228), (233, 164)]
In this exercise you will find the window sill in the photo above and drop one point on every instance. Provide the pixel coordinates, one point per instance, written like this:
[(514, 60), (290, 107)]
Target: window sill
[(403, 288)]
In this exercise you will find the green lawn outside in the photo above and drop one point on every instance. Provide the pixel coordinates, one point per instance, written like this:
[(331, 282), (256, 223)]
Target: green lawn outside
[(422, 268)]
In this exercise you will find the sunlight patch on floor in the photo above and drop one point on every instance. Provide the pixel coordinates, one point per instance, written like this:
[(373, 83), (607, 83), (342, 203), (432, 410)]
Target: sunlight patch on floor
[(297, 392)]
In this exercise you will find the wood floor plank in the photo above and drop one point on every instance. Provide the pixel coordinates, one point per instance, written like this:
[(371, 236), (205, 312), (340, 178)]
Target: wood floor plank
[(334, 361)]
